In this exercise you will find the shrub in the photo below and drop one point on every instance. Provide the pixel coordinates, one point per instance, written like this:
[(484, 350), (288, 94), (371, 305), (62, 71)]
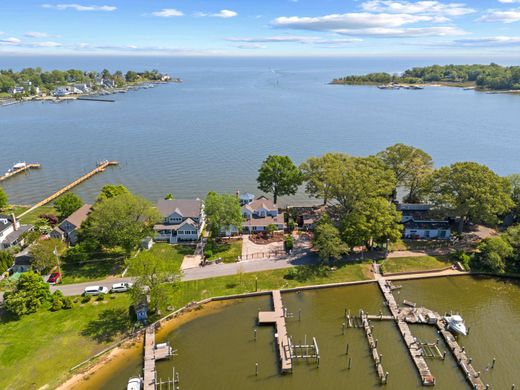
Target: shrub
[(289, 243), (208, 253), (101, 297), (85, 299), (67, 303), (57, 300)]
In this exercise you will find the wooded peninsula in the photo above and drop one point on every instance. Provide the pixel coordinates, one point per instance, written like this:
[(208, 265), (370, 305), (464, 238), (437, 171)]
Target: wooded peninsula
[(490, 77)]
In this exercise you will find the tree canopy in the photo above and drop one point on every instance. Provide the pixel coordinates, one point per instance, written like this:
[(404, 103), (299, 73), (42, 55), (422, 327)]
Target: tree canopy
[(327, 241), (411, 166), (66, 204), (470, 191), (278, 175), (222, 212), (6, 261), (112, 190), (120, 221), (4, 200), (492, 254), (29, 294), (43, 253)]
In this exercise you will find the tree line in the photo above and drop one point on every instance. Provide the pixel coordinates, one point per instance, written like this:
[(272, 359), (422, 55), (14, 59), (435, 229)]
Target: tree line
[(49, 80), (491, 77), (360, 193)]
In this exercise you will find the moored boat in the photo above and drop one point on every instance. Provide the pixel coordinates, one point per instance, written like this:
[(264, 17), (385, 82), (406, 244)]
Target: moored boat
[(135, 383), (455, 324)]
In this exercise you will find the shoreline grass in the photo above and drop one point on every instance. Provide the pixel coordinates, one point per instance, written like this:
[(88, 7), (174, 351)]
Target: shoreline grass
[(415, 263)]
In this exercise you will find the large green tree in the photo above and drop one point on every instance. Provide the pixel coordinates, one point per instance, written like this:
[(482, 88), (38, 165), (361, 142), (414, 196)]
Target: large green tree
[(492, 255), (68, 203), (29, 294), (44, 253), (6, 261), (514, 180), (358, 179), (4, 200), (373, 221), (327, 241), (319, 174), (222, 212), (279, 176), (412, 167), (471, 192), (120, 221), (111, 191)]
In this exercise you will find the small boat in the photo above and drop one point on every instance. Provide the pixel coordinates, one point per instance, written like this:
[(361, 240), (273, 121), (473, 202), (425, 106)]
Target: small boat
[(16, 167), (455, 324), (135, 383)]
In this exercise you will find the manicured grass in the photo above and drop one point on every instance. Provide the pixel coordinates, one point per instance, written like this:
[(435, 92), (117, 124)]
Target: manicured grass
[(41, 348), (33, 216), (173, 254), (227, 251), (196, 290), (411, 245), (418, 263), (92, 270)]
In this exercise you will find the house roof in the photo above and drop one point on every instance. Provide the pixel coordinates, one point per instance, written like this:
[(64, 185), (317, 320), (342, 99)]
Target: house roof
[(261, 202), (414, 207), (265, 221), (247, 196), (14, 236), (5, 222), (185, 207), (430, 224), (78, 216), (177, 226)]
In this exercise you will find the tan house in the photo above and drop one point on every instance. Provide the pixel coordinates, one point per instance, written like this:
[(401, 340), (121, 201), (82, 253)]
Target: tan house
[(67, 229)]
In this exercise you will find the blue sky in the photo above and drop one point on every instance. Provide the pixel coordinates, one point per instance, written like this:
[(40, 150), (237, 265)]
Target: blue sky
[(261, 27)]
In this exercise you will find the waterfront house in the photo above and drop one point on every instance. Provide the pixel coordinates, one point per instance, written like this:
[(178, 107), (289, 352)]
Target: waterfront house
[(245, 198), (419, 224), (16, 89), (82, 88), (67, 230), (261, 213), (183, 220), (61, 91), (11, 232)]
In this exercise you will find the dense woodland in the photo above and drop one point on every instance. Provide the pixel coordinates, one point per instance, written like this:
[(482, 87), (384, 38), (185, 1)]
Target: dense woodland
[(48, 80), (490, 77)]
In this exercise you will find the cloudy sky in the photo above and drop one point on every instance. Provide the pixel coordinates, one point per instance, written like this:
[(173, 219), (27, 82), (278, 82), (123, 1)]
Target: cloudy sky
[(261, 27)]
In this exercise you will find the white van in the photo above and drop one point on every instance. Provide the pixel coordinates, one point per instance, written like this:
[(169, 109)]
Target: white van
[(95, 290), (121, 287)]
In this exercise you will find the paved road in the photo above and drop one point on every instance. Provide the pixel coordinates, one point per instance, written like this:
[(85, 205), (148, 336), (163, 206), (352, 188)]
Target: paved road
[(209, 271)]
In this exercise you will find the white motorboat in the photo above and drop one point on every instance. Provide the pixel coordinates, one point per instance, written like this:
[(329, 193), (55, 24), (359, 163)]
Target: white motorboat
[(16, 167), (455, 324), (135, 383)]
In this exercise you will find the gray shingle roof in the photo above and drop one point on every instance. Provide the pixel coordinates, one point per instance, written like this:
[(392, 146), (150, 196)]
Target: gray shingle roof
[(189, 208)]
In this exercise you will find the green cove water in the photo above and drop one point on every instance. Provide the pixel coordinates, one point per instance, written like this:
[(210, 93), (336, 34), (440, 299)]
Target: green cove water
[(218, 350)]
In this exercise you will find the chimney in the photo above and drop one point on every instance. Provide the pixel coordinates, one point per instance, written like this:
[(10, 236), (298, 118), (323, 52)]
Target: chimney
[(15, 222)]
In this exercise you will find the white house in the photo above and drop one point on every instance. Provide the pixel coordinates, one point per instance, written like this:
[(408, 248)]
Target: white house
[(17, 89), (68, 229), (430, 229), (184, 220), (246, 198), (261, 213), (11, 231), (61, 91)]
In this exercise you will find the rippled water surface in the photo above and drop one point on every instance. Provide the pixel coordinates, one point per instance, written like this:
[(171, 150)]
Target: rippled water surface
[(212, 131)]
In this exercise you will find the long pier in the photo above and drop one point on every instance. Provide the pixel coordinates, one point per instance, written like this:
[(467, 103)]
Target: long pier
[(20, 170), (414, 315), (152, 353), (373, 348), (277, 317), (100, 168)]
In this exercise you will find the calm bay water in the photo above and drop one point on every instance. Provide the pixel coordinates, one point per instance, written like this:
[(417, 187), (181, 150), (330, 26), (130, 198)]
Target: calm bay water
[(213, 131), (217, 351)]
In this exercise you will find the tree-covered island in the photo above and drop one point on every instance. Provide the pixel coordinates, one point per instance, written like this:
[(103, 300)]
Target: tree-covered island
[(490, 77), (34, 83)]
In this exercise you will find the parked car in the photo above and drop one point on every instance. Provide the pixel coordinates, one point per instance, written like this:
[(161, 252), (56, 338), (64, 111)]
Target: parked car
[(121, 287), (95, 290), (54, 278)]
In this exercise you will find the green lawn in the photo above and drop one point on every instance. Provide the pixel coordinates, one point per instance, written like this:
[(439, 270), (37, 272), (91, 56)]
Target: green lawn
[(418, 263), (92, 270), (227, 251), (174, 254), (33, 216), (40, 348)]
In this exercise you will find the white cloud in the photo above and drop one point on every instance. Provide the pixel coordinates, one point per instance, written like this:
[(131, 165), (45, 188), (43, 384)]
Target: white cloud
[(496, 16), (509, 1), (79, 7), (36, 34), (167, 13), (420, 7), (250, 46), (46, 44), (441, 31), (295, 39), (488, 41), (223, 13), (10, 41)]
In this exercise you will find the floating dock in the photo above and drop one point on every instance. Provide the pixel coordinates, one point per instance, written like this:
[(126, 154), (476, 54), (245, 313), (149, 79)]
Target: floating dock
[(25, 168), (277, 318), (99, 168)]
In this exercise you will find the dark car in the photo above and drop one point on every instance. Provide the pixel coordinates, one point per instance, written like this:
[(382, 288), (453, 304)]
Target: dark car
[(54, 278)]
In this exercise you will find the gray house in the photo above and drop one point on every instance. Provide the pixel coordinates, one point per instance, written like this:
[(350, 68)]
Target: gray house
[(183, 220), (67, 230)]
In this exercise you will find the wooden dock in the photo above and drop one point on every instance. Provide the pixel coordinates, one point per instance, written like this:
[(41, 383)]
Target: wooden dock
[(414, 348), (277, 318), (152, 353), (99, 168), (372, 343), (16, 172)]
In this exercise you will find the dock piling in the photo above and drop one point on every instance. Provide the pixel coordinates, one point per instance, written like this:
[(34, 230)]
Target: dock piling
[(493, 364)]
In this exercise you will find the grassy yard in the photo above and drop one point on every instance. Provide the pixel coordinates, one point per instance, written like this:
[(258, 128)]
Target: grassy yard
[(227, 251), (411, 245), (33, 216), (418, 263), (173, 254), (91, 270), (40, 348)]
